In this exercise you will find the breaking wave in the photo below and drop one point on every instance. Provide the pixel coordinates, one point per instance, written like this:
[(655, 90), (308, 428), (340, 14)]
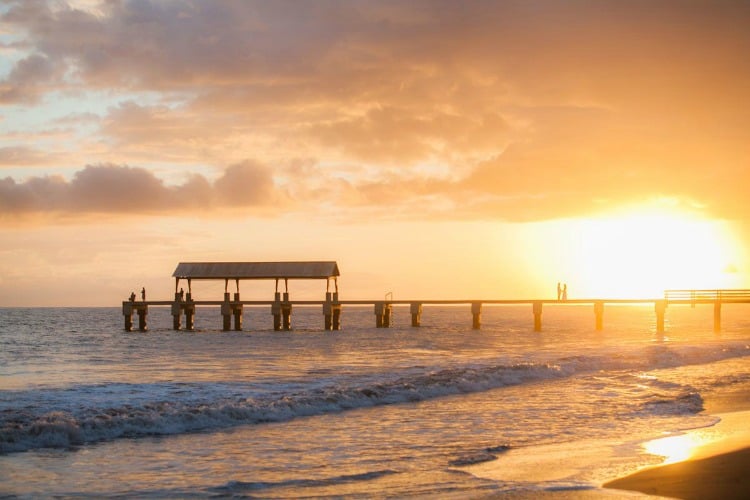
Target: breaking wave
[(27, 429)]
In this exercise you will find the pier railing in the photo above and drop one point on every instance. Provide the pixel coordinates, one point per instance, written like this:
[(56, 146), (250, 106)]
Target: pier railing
[(707, 296)]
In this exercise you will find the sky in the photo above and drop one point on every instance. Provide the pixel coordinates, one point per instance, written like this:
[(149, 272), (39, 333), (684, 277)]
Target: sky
[(434, 149)]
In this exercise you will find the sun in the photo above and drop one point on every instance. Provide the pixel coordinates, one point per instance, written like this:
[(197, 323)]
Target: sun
[(641, 254)]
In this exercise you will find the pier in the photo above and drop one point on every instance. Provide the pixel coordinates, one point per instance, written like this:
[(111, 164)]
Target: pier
[(231, 306)]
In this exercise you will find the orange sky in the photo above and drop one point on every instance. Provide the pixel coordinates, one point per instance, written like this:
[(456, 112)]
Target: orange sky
[(435, 149)]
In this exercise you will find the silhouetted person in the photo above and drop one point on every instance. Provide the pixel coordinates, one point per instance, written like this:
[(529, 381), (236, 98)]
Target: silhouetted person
[(132, 296), (559, 290), (143, 294), (565, 292)]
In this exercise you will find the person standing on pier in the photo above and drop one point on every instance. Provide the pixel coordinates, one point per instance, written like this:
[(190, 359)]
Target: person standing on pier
[(143, 294), (565, 292), (559, 290)]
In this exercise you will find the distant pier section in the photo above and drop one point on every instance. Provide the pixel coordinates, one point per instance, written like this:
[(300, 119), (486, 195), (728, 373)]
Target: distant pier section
[(231, 307)]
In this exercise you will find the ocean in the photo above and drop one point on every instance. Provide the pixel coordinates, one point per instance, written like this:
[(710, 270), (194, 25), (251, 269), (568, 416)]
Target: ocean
[(89, 410)]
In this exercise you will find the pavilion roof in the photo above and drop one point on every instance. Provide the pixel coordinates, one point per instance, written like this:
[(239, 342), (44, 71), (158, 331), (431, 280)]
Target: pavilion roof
[(256, 270)]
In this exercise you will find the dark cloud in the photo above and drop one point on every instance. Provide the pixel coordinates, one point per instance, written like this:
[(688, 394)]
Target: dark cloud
[(30, 79), (132, 190)]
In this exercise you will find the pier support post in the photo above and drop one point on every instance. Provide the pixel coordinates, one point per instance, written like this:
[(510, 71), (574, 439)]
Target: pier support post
[(416, 313), (387, 315), (143, 318), (237, 312), (337, 318), (383, 314), (476, 315), (378, 314), (599, 313), (286, 312), (660, 307), (276, 311), (226, 313), (537, 309), (127, 312), (189, 315), (328, 312), (177, 311), (717, 316)]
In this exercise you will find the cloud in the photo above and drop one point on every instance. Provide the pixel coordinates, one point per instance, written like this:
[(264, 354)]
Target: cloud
[(29, 80), (22, 156), (508, 110), (121, 189)]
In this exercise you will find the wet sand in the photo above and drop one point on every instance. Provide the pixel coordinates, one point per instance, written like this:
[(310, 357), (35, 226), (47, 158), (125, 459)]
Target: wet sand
[(722, 476), (718, 466)]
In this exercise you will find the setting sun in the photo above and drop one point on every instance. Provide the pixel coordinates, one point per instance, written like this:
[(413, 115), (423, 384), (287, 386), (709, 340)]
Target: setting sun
[(642, 254)]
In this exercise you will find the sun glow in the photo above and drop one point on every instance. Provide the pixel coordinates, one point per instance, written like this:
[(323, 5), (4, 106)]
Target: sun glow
[(642, 254), (675, 448)]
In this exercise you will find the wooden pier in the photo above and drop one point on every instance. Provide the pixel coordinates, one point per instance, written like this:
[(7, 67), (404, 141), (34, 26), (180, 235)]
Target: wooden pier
[(281, 307)]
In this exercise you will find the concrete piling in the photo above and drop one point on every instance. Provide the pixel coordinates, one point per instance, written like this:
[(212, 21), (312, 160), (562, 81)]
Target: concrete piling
[(332, 312), (276, 311), (189, 315), (660, 307), (383, 314), (177, 311), (226, 313), (717, 316), (286, 312), (416, 313), (599, 313), (143, 317), (127, 312), (476, 315), (537, 310), (337, 317), (237, 312)]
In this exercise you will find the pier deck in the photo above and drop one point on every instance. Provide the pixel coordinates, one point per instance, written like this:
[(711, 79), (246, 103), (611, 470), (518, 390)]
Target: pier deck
[(332, 306)]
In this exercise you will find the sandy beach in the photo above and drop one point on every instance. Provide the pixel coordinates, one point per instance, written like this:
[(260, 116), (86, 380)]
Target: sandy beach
[(717, 461)]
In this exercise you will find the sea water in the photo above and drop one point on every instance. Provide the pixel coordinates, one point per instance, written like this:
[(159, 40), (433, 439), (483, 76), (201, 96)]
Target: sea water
[(87, 409)]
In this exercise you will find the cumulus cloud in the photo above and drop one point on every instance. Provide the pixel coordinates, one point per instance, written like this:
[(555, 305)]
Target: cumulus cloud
[(123, 189), (512, 110)]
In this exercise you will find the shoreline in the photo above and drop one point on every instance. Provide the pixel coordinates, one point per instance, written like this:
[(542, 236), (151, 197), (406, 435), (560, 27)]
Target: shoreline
[(716, 459)]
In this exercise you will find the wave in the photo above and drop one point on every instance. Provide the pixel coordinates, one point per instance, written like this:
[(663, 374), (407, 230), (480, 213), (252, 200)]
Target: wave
[(235, 487), (33, 422), (27, 429)]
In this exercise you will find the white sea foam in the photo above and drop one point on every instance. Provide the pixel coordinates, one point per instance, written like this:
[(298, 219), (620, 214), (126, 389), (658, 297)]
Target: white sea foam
[(91, 414)]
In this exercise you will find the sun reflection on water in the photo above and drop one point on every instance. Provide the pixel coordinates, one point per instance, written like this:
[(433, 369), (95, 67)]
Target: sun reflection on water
[(675, 448)]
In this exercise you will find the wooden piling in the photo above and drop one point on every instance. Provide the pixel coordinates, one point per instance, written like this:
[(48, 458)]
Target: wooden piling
[(537, 309)]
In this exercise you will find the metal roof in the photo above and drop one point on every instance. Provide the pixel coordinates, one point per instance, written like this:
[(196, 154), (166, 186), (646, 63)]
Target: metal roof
[(256, 270)]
